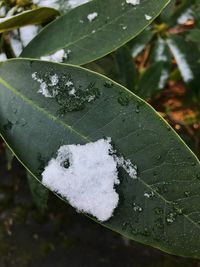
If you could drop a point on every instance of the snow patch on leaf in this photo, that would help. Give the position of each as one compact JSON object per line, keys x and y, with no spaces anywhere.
{"x":86,"y":176}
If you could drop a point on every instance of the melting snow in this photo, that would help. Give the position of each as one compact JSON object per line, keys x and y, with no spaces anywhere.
{"x":44,"y":86}
{"x":137,"y":49}
{"x":187,"y":15}
{"x":92,"y":16}
{"x":59,"y":56}
{"x":163,"y":79}
{"x":3,"y":57}
{"x":160,"y":51}
{"x":133,"y":2}
{"x":86,"y":176}
{"x":148,"y":17}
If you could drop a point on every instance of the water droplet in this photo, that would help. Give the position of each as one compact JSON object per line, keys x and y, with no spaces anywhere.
{"x":149,"y":194}
{"x":159,"y":223}
{"x":123,"y":100}
{"x":187,"y":193}
{"x":69,"y":95}
{"x":134,"y":231}
{"x":179,"y":211}
{"x":108,"y":84}
{"x":124,"y":226}
{"x":170,"y":218}
{"x":155,"y":173}
{"x":23,"y":122}
{"x":198,"y":175}
{"x":146,"y":232}
{"x":158,"y":157}
{"x":137,"y":208}
{"x":14,"y":110}
{"x":137,"y":108}
{"x":8,"y":126}
{"x":66,"y":163}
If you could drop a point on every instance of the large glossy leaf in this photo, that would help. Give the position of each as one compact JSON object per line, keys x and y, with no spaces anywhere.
{"x":116,"y":22}
{"x":35,"y":16}
{"x":168,"y":172}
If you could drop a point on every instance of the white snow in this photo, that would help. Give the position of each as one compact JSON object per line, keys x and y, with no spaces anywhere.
{"x":3,"y":57}
{"x":148,"y":17}
{"x":58,"y":56}
{"x":149,"y":195}
{"x":54,"y":80}
{"x":160,"y":51}
{"x":49,"y":87}
{"x":57,"y":4}
{"x":27,"y":33}
{"x":86,"y":176}
{"x":163,"y":78}
{"x":2,"y":11}
{"x":133,"y":2}
{"x":75,"y":3}
{"x":183,"y":65}
{"x":137,"y":50}
{"x":16,"y":43}
{"x":92,"y":16}
{"x":44,"y":86}
{"x":47,"y":3}
{"x":187,"y":15}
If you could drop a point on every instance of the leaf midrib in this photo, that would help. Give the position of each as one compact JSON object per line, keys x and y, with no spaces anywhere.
{"x":52,"y":117}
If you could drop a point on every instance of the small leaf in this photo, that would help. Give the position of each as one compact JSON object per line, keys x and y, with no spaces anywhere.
{"x":86,"y":38}
{"x":35,"y":16}
{"x":161,"y":207}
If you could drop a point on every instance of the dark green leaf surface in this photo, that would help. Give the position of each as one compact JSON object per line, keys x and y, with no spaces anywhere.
{"x":168,"y":171}
{"x":117,"y":23}
{"x":39,"y":193}
{"x":35,"y":16}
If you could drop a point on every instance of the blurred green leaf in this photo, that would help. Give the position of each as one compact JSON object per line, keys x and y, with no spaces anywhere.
{"x":35,"y":16}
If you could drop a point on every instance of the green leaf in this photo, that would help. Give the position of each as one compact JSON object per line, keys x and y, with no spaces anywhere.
{"x":35,"y":16}
{"x":39,"y":193}
{"x":116,"y":23}
{"x":167,"y":169}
